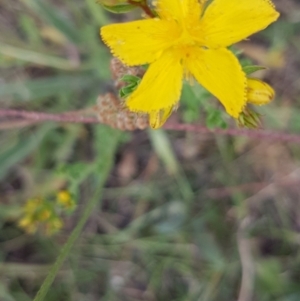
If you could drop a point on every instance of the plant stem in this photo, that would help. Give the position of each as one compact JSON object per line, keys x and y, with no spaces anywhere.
{"x":254,"y":134}
{"x":75,"y":118}
{"x":106,"y":163}
{"x":42,"y":117}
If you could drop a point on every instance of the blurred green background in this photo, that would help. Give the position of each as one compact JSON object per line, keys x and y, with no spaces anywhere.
{"x":181,"y":216}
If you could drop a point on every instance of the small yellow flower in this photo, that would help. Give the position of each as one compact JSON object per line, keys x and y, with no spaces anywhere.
{"x":188,"y":40}
{"x":63,"y":196}
{"x":28,"y":224}
{"x":44,"y":214}
{"x":25,"y":222}
{"x":65,"y":199}
{"x":36,"y":214}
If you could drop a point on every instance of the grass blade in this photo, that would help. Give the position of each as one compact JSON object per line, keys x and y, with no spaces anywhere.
{"x":105,"y":162}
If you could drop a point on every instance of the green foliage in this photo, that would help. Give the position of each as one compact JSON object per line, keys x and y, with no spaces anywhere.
{"x":132,"y":83}
{"x":22,"y":148}
{"x":214,"y":119}
{"x":52,"y":16}
{"x":119,"y":8}
{"x":196,"y":99}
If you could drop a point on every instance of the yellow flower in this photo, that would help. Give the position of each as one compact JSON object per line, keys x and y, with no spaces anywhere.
{"x":28,"y":224}
{"x":25,"y":222}
{"x":65,"y":199}
{"x":44,"y":214}
{"x":188,"y":40}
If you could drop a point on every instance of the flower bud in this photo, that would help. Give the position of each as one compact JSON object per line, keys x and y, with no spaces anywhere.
{"x":249,"y":119}
{"x":259,"y":92}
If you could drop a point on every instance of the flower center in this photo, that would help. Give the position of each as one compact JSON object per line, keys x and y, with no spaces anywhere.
{"x":185,"y":39}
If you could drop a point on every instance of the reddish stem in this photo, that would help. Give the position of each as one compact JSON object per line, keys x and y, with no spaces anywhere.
{"x":75,"y":118}
{"x":255,"y":134}
{"x":143,"y":5}
{"x":41,"y":117}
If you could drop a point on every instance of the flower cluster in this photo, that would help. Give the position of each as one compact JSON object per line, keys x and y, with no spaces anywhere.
{"x":42,"y":214}
{"x":188,"y":39}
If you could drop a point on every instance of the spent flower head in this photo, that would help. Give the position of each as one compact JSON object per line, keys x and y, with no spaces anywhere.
{"x":188,"y":39}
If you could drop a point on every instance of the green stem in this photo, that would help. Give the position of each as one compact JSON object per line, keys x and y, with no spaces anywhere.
{"x":105,"y":163}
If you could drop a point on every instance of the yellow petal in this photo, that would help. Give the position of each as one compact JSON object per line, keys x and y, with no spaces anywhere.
{"x":158,"y":118}
{"x":160,"y":87}
{"x":179,"y":10}
{"x":226,"y":22}
{"x":220,"y":73}
{"x":140,"y":42}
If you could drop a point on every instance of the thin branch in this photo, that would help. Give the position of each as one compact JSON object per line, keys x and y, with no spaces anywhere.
{"x":255,"y":134}
{"x":74,"y":117}
{"x":42,"y":117}
{"x":143,"y":5}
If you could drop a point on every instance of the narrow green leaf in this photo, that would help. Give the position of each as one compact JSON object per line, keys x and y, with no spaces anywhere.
{"x":37,"y":57}
{"x":52,"y":16}
{"x":49,"y":86}
{"x":163,"y":148}
{"x":251,"y":69}
{"x":120,"y":8}
{"x":215,"y":119}
{"x":22,"y":149}
{"x":107,"y":146}
{"x":97,"y":12}
{"x":30,"y":29}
